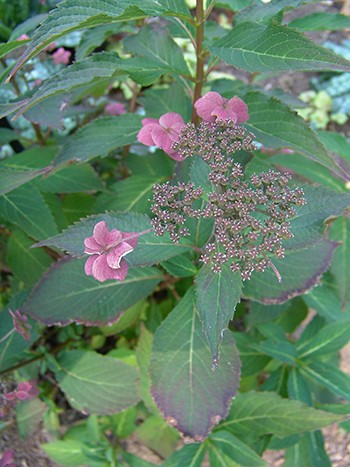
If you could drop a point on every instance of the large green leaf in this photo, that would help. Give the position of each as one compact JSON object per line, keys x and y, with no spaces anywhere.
{"x":324,"y":300}
{"x":10,"y":179}
{"x":192,"y":397}
{"x":321,"y":21}
{"x":335,"y":142}
{"x":257,"y":47}
{"x":268,"y":413}
{"x":27,"y":264}
{"x":190,"y":455}
{"x":216,"y":298}
{"x":259,"y":12}
{"x":95,"y":383}
{"x":155,"y":44}
{"x":309,"y":451}
{"x":235,"y":449}
{"x":73,"y":15}
{"x":65,"y":294}
{"x":100,"y":137}
{"x":150,"y":248}
{"x":275,"y":126}
{"x":71,"y":179}
{"x":328,"y":376}
{"x":26,"y":208}
{"x":300,"y":269}
{"x":331,"y":338}
{"x":340,"y":231}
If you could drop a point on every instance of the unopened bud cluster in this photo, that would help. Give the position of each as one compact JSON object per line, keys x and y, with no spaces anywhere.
{"x":251,"y":215}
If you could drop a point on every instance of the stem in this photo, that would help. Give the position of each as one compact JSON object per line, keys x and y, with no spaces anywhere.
{"x":199,"y":55}
{"x":209,"y":9}
{"x":188,"y":32}
{"x":19,"y":365}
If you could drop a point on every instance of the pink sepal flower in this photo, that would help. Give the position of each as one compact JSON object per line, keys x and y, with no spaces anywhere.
{"x":7,"y":459}
{"x":20,"y":324}
{"x":23,"y":37}
{"x":212,"y":106}
{"x":25,"y":391}
{"x":162,"y":133}
{"x":61,"y":56}
{"x":115,"y":108}
{"x":107,"y":249}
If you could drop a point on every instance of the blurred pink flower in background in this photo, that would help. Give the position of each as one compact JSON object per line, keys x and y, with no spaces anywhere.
{"x":107,"y":249}
{"x":115,"y":108}
{"x":23,"y":37}
{"x":61,"y":56}
{"x":162,"y":132}
{"x":212,"y":106}
{"x":24,"y":391}
{"x":7,"y":459}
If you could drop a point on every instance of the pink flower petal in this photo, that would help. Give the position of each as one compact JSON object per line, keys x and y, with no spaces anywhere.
{"x":25,"y":386}
{"x":120,"y":273}
{"x":162,"y":139}
{"x":114,"y":257}
{"x":100,"y":269}
{"x":115,"y":237}
{"x":176,"y":156}
{"x":147,"y":121}
{"x":91,"y":246}
{"x":239,"y":107}
{"x":145,"y":135}
{"x":206,"y":104}
{"x":88,"y":265}
{"x":224,"y":114}
{"x":169,"y":119}
{"x":131,"y":238}
{"x":101,"y":233}
{"x":22,"y":395}
{"x":115,"y":108}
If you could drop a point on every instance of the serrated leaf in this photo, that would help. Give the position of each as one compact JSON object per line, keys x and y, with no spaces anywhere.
{"x":190,"y":395}
{"x":65,"y":294}
{"x":26,"y":208}
{"x":340,"y":232}
{"x":10,"y":179}
{"x":329,"y":377}
{"x":96,"y":384}
{"x":100,"y":137}
{"x":191,"y":455}
{"x":72,"y":179}
{"x":321,"y":21}
{"x":310,"y":449}
{"x":150,"y":248}
{"x":26,"y":264}
{"x":283,"y":351}
{"x":268,"y":413}
{"x":255,"y":47}
{"x":331,"y":338}
{"x":275,"y":126}
{"x":155,"y":44}
{"x":94,"y":38}
{"x":300,"y":270}
{"x":72,"y":16}
{"x":235,"y":449}
{"x":259,"y":12}
{"x":11,"y":45}
{"x":216,"y":298}
{"x":180,"y":266}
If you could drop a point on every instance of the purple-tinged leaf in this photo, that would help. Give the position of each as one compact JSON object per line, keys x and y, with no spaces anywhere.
{"x":300,"y":271}
{"x":192,"y":397}
{"x":97,"y":384}
{"x":65,"y":294}
{"x":340,"y":231}
{"x":216,"y":298}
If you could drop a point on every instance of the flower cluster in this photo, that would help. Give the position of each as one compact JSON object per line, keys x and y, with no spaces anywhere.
{"x":107,"y":250}
{"x":7,"y":459}
{"x":26,"y":390}
{"x":250,"y":215}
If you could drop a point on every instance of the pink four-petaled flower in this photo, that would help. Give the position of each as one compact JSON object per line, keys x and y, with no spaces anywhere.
{"x":107,"y":249}
{"x":162,"y":133}
{"x":61,"y":56}
{"x":212,"y":106}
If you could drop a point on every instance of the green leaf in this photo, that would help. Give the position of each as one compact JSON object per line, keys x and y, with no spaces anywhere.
{"x":216,"y":298}
{"x":156,"y":434}
{"x":94,"y":38}
{"x":65,"y":295}
{"x":66,"y":452}
{"x":29,"y":416}
{"x":125,"y":319}
{"x":324,"y":300}
{"x":72,"y":16}
{"x":309,"y":451}
{"x":155,"y":44}
{"x":26,"y":264}
{"x":269,"y":48}
{"x":12,"y":45}
{"x":10,"y":179}
{"x":275,"y":126}
{"x":335,"y":142}
{"x":331,"y":338}
{"x":235,"y":449}
{"x":321,"y":21}
{"x":258,"y":12}
{"x":96,"y":384}
{"x":283,"y":351}
{"x":340,"y":232}
{"x":180,"y":266}
{"x":6,"y":136}
{"x":72,"y":179}
{"x":26,"y":208}
{"x":268,"y":413}
{"x":191,"y":396}
{"x":150,"y":249}
{"x":191,"y":455}
{"x":143,"y":355}
{"x":100,"y":137}
{"x":298,"y":388}
{"x":301,"y":269}
{"x":253,"y":361}
{"x":154,"y":165}
{"x":329,"y":377}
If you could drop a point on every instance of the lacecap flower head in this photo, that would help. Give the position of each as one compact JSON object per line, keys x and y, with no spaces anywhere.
{"x":162,"y":133}
{"x":107,"y":250}
{"x":212,"y":106}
